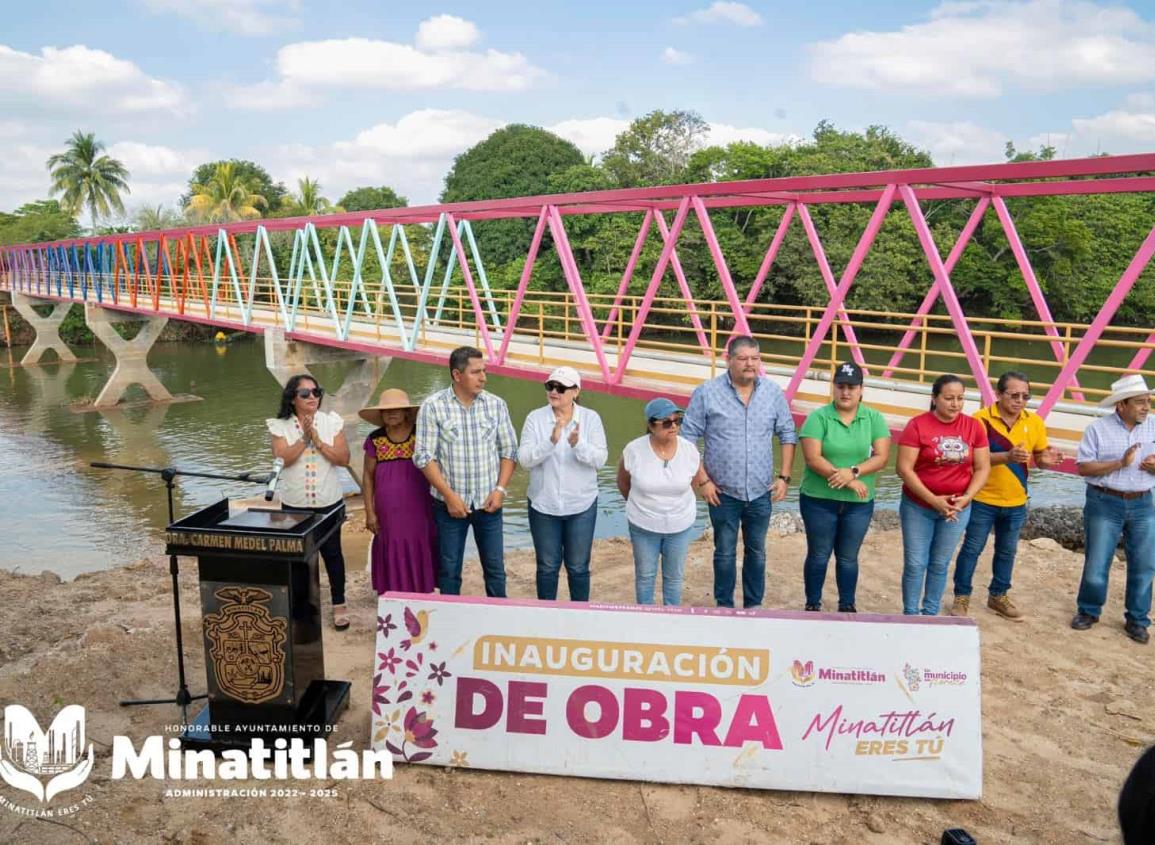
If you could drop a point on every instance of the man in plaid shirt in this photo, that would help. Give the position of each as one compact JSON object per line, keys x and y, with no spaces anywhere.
{"x":466,"y":447}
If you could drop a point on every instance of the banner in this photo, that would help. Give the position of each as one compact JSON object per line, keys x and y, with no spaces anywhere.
{"x":886,"y":705}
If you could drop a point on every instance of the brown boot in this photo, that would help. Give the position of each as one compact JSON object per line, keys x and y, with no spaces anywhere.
{"x":1004,"y":607}
{"x":961,"y":606}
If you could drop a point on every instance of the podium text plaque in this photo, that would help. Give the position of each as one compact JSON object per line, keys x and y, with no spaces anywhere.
{"x":261,"y":624}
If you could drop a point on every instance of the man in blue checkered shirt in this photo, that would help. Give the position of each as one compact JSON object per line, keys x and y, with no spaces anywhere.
{"x":467,"y":449}
{"x":738,"y":414}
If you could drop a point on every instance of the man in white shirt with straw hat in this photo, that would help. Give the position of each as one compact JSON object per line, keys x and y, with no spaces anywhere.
{"x":1117,"y":457}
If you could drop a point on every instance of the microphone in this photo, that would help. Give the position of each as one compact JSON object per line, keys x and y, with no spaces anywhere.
{"x":278,"y":465}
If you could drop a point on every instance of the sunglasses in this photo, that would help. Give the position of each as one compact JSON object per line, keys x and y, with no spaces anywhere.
{"x":557,"y":387}
{"x":667,"y":423}
{"x":306,"y":392}
{"x":1020,"y":396}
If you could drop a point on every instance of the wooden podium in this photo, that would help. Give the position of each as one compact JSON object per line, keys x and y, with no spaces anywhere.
{"x":261,"y":616}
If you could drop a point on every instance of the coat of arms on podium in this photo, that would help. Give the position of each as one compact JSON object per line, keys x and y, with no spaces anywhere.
{"x":248,"y":644}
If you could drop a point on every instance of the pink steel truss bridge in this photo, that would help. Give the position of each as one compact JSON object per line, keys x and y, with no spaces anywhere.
{"x":328,"y":295}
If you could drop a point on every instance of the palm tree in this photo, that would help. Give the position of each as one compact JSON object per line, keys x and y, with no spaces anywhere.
{"x":225,"y":197}
{"x":153,"y":218}
{"x":308,"y":200}
{"x":88,"y":179}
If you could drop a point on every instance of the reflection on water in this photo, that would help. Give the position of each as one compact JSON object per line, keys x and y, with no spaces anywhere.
{"x":58,"y":513}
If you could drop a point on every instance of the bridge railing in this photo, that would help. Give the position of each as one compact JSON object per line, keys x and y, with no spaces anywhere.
{"x":902,"y":346}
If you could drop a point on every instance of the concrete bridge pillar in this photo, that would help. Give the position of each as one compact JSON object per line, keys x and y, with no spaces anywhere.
{"x":47,"y":328}
{"x":131,"y":355}
{"x":286,"y":358}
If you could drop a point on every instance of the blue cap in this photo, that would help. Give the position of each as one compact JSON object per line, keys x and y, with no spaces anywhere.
{"x":660,"y":408}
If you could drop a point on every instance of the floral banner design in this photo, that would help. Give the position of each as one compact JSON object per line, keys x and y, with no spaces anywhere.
{"x":775,"y":700}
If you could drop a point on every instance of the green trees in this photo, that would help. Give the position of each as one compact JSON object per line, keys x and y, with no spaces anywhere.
{"x":37,"y":221}
{"x":153,"y":218}
{"x":513,"y":161}
{"x":370,"y":199}
{"x":307,"y":201}
{"x":655,"y":149}
{"x":224,"y":197}
{"x":86,"y":179}
{"x":255,"y":178}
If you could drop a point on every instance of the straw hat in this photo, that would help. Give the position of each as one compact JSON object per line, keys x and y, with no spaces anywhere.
{"x":393,"y":399}
{"x":1126,"y":388}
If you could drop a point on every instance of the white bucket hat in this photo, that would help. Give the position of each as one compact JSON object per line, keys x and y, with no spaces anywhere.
{"x":1126,"y":388}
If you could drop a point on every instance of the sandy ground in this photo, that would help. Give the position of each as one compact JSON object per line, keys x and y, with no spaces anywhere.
{"x":1065,"y":716}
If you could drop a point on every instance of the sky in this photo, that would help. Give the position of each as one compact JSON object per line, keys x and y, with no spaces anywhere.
{"x":380,"y":93}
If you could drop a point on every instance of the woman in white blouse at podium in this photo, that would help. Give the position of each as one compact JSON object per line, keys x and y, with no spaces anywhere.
{"x":312,"y":444}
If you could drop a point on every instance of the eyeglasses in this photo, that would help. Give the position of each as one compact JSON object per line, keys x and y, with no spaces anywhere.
{"x":557,"y":387}
{"x":667,"y":423}
{"x":306,"y":392}
{"x":1022,"y":397}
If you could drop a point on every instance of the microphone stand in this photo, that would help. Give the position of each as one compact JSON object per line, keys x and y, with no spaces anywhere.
{"x":183,"y":697}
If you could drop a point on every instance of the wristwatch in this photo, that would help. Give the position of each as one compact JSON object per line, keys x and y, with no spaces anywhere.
{"x":501,"y":490}
{"x":785,"y":478}
{"x":855,"y":471}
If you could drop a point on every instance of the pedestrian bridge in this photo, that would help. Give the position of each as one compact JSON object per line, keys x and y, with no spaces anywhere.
{"x":351,"y":282}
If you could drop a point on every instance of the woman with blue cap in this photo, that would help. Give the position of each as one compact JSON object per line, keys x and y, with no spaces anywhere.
{"x":657,"y":476}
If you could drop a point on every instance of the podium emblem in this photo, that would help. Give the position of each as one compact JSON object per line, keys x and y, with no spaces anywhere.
{"x":248,"y":644}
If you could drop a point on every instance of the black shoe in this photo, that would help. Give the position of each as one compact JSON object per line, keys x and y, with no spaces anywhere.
{"x":1137,"y":632}
{"x":1083,"y":621}
{"x":814,"y":608}
{"x":847,"y":608}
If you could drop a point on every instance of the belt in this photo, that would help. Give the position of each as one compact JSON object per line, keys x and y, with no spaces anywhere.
{"x":1122,"y":494}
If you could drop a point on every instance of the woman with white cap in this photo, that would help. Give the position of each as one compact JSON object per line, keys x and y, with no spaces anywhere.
{"x":398,"y":507}
{"x":563,"y":445}
{"x":657,"y":476}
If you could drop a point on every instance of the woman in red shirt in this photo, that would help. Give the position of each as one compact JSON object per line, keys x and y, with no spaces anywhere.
{"x":944,"y":460}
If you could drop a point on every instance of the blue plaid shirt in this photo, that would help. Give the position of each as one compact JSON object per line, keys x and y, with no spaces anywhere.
{"x":468,"y":443}
{"x":739,"y":438}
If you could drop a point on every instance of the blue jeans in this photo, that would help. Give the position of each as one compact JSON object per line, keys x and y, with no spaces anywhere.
{"x":928,"y":544}
{"x":836,"y":527}
{"x":1007,"y":523}
{"x":754,"y":518}
{"x":671,"y":548}
{"x":1105,"y":519}
{"x":487,"y":533}
{"x":558,"y":539}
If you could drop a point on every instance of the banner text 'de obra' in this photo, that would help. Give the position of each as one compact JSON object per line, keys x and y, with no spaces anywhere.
{"x":621,"y":660}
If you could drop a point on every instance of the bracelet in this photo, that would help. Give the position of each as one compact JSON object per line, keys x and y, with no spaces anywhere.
{"x":501,"y":490}
{"x":785,"y":478}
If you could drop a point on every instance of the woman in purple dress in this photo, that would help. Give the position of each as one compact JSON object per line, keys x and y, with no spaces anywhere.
{"x":398,"y":507}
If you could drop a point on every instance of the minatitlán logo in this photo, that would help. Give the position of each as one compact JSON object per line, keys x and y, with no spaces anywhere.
{"x":45,"y":763}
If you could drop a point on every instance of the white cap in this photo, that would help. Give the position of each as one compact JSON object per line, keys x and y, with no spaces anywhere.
{"x":567,"y":376}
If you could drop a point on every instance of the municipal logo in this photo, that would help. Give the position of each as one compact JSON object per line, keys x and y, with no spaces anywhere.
{"x":45,"y":763}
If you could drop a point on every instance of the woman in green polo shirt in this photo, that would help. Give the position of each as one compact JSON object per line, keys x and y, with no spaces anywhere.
{"x":845,"y":444}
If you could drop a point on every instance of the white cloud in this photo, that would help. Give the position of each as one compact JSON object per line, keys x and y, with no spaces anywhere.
{"x":446,"y":32}
{"x":246,"y":17}
{"x":1123,"y":126}
{"x":79,"y":79}
{"x":593,"y":136}
{"x":721,"y":134}
{"x":412,"y":155}
{"x":672,"y":56}
{"x":978,"y":49}
{"x":438,"y":61}
{"x":958,"y":142}
{"x":721,"y":11}
{"x":23,"y":174}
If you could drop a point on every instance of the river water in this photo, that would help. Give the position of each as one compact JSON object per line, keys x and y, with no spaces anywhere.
{"x":59,"y":514}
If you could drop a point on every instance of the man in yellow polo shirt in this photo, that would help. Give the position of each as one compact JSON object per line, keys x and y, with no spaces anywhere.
{"x":1016,"y":436}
